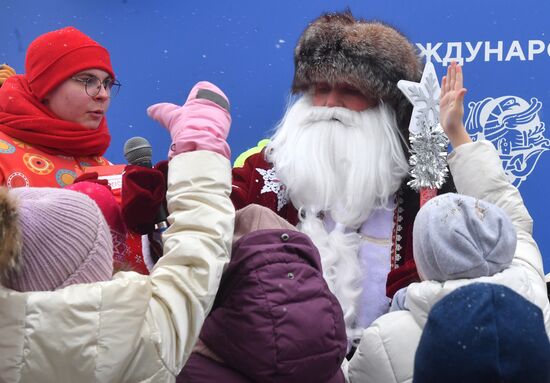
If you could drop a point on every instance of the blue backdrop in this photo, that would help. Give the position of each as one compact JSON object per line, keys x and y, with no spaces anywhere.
{"x":160,"y":49}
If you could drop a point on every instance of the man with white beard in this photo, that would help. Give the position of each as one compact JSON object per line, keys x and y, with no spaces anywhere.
{"x":337,"y":164}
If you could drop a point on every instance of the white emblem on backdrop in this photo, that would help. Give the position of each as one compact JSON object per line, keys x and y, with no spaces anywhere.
{"x":513,"y":125}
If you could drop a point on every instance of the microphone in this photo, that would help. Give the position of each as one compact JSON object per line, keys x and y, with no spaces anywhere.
{"x":138,"y":151}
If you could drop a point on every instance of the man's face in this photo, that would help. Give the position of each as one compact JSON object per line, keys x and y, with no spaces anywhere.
{"x":342,"y":95}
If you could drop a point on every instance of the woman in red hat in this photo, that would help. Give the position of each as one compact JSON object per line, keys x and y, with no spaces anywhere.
{"x":52,"y":118}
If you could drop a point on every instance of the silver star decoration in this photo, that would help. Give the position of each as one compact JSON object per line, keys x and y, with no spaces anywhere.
{"x":425,"y":99}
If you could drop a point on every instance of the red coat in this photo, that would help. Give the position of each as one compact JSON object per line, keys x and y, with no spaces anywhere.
{"x":249,"y":186}
{"x":24,"y":165}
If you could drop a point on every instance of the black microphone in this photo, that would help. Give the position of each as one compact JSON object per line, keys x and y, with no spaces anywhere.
{"x":138,"y":151}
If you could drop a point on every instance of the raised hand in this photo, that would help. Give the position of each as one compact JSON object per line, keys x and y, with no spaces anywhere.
{"x":202,"y":123}
{"x":451,"y":106}
{"x":6,"y":72}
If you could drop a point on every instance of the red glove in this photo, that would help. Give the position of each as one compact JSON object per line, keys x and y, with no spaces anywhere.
{"x":143,"y":192}
{"x":163,"y":167}
{"x":91,"y":177}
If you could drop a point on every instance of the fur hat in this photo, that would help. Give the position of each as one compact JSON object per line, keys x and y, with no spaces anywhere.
{"x":457,"y":236}
{"x":55,"y":56}
{"x":369,"y":55}
{"x":51,"y":238}
{"x":483,"y":333}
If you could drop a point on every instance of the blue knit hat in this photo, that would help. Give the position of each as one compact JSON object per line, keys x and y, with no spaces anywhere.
{"x":458,"y":236}
{"x":483,"y":333}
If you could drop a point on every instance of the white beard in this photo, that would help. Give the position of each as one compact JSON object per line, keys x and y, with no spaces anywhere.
{"x":344,"y":164}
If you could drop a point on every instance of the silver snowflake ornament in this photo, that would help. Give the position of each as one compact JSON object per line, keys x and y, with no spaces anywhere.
{"x":274,"y":185}
{"x":428,"y":140}
{"x":425,"y":98}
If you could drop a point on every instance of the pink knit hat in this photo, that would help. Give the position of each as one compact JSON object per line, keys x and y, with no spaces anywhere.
{"x":57,"y":238}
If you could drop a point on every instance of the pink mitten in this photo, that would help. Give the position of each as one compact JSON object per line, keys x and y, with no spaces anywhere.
{"x":202,"y":123}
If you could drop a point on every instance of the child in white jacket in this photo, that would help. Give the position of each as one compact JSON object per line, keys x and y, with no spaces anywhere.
{"x":64,"y":319}
{"x":387,"y":349}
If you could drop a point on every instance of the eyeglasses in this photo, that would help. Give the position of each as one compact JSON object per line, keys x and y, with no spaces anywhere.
{"x":93,"y":85}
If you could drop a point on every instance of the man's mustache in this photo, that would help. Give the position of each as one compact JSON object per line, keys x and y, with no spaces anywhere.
{"x":336,"y":114}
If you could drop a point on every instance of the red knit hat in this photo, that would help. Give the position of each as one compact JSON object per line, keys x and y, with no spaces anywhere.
{"x":55,"y":56}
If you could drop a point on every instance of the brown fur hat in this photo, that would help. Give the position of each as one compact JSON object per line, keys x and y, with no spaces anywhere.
{"x":369,"y":55}
{"x":10,"y":234}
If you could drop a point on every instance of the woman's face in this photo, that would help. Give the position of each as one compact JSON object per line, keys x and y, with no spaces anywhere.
{"x":70,"y":102}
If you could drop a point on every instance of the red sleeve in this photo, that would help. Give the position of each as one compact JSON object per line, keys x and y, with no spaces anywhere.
{"x":401,"y":277}
{"x":248,"y":188}
{"x":242,"y":179}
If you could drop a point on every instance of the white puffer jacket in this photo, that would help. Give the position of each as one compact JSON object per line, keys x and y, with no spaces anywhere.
{"x":387,"y":349}
{"x":134,"y":328}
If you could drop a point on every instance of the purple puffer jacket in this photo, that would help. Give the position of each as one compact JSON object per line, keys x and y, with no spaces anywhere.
{"x":274,"y":318}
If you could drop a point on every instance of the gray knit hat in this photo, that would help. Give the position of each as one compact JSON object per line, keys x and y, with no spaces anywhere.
{"x":457,"y":236}
{"x":59,"y":238}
